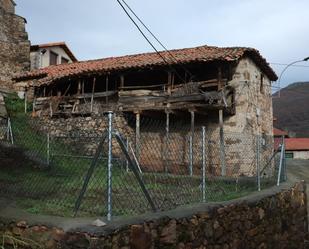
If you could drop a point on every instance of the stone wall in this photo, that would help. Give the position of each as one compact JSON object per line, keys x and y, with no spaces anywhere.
{"x":157,"y":155}
{"x":253,"y":116}
{"x":274,"y":219}
{"x":14,"y":44}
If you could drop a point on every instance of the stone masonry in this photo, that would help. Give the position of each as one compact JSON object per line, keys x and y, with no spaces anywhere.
{"x":253,"y":117}
{"x":274,"y":219}
{"x":14,"y":44}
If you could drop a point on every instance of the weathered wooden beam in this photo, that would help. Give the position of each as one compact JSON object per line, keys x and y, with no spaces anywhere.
{"x":137,"y":134}
{"x":137,"y":93}
{"x":219,"y":78}
{"x":121,"y":81}
{"x":169,"y":82}
{"x":106,"y":87}
{"x":92,"y":94}
{"x":136,"y":87}
{"x":83,"y":87}
{"x":191,"y":143}
{"x":85,"y":96}
{"x":79,"y":87}
{"x":222,"y":145}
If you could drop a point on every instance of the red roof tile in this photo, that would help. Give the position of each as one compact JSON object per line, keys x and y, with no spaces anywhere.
{"x":278,"y":132}
{"x":292,"y":144}
{"x":138,"y":61}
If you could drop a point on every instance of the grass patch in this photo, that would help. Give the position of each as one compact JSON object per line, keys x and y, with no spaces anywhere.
{"x":53,"y":190}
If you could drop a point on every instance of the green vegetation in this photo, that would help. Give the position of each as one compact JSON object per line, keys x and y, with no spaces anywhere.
{"x":11,"y":241}
{"x":53,"y":189}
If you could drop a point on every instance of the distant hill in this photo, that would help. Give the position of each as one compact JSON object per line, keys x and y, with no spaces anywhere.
{"x":292,"y":109}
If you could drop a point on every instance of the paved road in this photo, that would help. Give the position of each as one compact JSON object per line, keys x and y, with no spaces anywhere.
{"x":298,"y":170}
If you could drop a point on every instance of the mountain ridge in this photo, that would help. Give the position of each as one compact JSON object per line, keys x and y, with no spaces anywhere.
{"x":291,"y":109}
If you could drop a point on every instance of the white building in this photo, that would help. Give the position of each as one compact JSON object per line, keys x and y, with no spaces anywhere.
{"x":44,"y":55}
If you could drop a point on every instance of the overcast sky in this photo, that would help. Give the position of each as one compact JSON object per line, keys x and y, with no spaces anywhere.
{"x":99,"y":28}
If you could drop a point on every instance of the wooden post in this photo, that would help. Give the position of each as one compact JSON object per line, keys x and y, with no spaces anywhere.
{"x":44,"y":91}
{"x":169,"y":82}
{"x":137,"y":134}
{"x":92,"y":95}
{"x":79,"y":87}
{"x":222,"y":144}
{"x":83,"y":87}
{"x":191,"y":144}
{"x":219,"y":78}
{"x":121,"y":82}
{"x":106,"y":87}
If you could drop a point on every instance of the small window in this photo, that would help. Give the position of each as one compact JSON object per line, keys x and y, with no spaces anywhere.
{"x":262,"y":84}
{"x":53,"y":58}
{"x":64,"y":60}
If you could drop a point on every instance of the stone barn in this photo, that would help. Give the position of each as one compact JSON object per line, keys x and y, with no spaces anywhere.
{"x":227,"y":90}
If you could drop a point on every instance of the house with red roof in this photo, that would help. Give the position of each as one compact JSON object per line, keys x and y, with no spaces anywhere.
{"x":221,"y":88}
{"x":297,"y":148}
{"x":44,"y":55}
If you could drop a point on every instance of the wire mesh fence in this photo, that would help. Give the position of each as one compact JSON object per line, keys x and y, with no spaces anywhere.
{"x":149,"y":165}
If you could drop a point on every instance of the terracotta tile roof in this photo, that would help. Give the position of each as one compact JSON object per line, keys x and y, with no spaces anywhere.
{"x":293,"y":144}
{"x":183,"y":56}
{"x":63,"y":45}
{"x":278,"y":132}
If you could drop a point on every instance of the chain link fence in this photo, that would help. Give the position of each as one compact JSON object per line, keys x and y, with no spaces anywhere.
{"x":134,"y":165}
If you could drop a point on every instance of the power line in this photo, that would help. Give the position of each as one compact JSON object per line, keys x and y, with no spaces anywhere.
{"x":155,"y":37}
{"x":283,"y":64}
{"x":146,"y":38}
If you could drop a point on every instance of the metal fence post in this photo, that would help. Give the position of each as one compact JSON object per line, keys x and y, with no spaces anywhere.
{"x":166,"y":142}
{"x":10,"y":132}
{"x":191,"y":145}
{"x":203,"y":164}
{"x":258,"y":171}
{"x":284,"y":160}
{"x":26,"y":104}
{"x":127,"y":162}
{"x":48,"y":149}
{"x":109,"y":167}
{"x":280,"y":164}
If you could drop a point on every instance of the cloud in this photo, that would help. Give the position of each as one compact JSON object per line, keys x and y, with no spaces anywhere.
{"x":98,"y":28}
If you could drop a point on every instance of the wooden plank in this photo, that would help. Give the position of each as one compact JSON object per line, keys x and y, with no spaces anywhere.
{"x":121,"y":81}
{"x":85,"y":96}
{"x":106,"y":87}
{"x":219,"y":78}
{"x":137,"y":135}
{"x":92,"y":94}
{"x":138,"y":93}
{"x":222,"y":145}
{"x":142,"y":87}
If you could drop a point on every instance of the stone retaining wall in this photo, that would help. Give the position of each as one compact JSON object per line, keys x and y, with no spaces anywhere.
{"x":275,"y":218}
{"x":155,"y":154}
